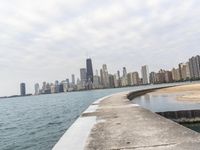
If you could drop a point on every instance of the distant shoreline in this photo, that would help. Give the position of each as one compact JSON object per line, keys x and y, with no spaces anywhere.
{"x":14,"y":96}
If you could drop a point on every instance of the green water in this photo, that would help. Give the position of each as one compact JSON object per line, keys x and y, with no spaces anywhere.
{"x":193,"y":126}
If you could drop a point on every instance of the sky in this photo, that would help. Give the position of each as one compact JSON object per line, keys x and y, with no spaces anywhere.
{"x":48,"y":40}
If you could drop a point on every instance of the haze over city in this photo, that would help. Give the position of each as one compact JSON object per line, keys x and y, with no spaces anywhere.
{"x":49,"y":40}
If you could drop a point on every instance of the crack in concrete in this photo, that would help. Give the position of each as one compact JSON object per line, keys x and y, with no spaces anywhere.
{"x":150,"y":146}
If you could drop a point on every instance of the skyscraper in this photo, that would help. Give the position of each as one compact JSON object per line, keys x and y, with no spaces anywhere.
{"x":57,"y":86}
{"x":105,"y":76}
{"x":183,"y":71}
{"x":111,"y":81}
{"x":89,"y":70}
{"x":83,"y":74}
{"x":119,"y":78}
{"x":176,"y":74}
{"x":67,"y":82}
{"x":101,"y":77}
{"x":168,"y":77}
{"x":136,"y":78}
{"x":124,"y":77}
{"x":43,"y":87}
{"x":73,"y":79}
{"x":129,"y":79}
{"x":96,"y":82}
{"x":152,"y":77}
{"x":188,"y":70}
{"x":37,"y":89}
{"x":22,"y":89}
{"x":145,"y":74}
{"x":118,"y":74}
{"x":116,"y":81}
{"x":124,"y":72}
{"x":194,"y":65}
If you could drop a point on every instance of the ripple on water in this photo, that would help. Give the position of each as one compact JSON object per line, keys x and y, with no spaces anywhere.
{"x":38,"y":122}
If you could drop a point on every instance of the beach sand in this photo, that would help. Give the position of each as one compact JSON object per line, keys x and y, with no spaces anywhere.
{"x":190,"y":92}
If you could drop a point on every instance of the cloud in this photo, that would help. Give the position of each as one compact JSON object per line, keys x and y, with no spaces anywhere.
{"x":49,"y":40}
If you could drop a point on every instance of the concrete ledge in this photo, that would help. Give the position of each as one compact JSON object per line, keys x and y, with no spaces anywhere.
{"x":76,"y":136}
{"x":119,"y":124}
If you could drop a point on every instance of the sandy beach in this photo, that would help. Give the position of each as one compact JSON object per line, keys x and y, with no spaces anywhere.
{"x":190,"y":92}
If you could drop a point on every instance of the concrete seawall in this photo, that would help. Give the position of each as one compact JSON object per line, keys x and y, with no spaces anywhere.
{"x":114,"y":123}
{"x":134,"y":94}
{"x":182,"y":116}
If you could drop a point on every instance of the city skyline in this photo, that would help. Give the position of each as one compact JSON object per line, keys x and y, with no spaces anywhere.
{"x":186,"y":71}
{"x":37,"y":45}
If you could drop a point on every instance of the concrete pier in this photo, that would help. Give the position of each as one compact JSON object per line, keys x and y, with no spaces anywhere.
{"x":120,"y":124}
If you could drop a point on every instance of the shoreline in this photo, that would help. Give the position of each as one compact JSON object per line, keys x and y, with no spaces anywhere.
{"x":173,"y":83}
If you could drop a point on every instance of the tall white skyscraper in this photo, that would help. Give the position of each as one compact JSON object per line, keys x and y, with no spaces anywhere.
{"x":83,"y":76}
{"x":105,"y":76}
{"x":96,"y":82}
{"x":145,"y":74}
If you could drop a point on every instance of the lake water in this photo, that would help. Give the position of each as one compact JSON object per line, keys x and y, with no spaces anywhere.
{"x":193,"y":126}
{"x":164,"y":102}
{"x":167,"y":102}
{"x":37,"y":122}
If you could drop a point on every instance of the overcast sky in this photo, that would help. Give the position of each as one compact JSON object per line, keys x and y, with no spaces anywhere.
{"x":48,"y":40}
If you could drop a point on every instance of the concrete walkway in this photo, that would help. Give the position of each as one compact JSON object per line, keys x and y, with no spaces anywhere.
{"x":123,"y":125}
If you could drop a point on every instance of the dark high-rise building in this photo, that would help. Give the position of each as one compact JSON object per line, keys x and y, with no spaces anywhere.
{"x":61,"y":87}
{"x":73,"y":79}
{"x":89,"y":70}
{"x":111,"y":81}
{"x":118,"y":74}
{"x":22,"y":89}
{"x":124,"y":72}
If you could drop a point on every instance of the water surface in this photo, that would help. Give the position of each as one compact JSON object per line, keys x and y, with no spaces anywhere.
{"x":164,"y":102}
{"x":37,"y":122}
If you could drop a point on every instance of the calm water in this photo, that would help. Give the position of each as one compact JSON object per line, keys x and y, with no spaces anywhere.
{"x":164,"y":102}
{"x":37,"y":122}
{"x":193,"y":126}
{"x":167,"y":102}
